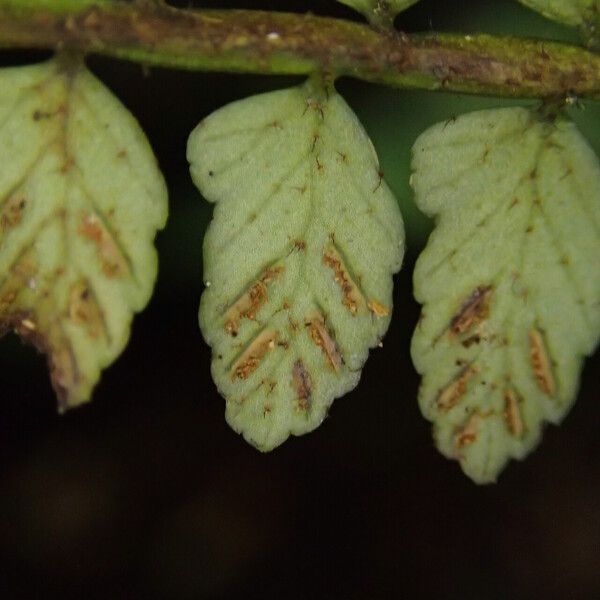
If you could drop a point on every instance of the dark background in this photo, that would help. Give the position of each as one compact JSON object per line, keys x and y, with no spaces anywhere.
{"x":146,"y":492}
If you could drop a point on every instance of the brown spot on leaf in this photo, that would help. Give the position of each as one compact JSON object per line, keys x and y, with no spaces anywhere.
{"x":323,"y":339}
{"x":302,"y":385}
{"x":467,"y":434}
{"x":246,"y":307}
{"x":351,"y":297}
{"x":84,"y":310}
{"x":269,"y":384}
{"x":251,"y":300}
{"x":21,"y":276}
{"x":293,"y":325}
{"x":91,"y":228}
{"x":473,"y":311}
{"x":474,"y":339}
{"x":512,"y":413}
{"x":316,"y":106}
{"x":455,"y":390}
{"x":250,"y":360}
{"x":39,"y":115}
{"x":12,"y":213}
{"x":111,"y":257}
{"x":540,"y":363}
{"x":299,"y":245}
{"x":67,"y":165}
{"x":378,"y":309}
{"x":315,"y":138}
{"x":270,"y":274}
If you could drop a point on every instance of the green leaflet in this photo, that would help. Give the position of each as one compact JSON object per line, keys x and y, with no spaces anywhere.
{"x":510,"y":281}
{"x":298,"y":259}
{"x":577,"y":13}
{"x":81,"y":198}
{"x":374,"y":9}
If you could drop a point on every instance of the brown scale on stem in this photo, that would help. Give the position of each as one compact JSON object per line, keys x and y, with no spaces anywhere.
{"x":540,"y":363}
{"x":251,"y":301}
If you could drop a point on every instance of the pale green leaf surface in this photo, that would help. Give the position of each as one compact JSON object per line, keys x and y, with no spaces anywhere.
{"x":298,"y":259}
{"x":81,"y":198}
{"x":509,"y":281}
{"x":571,"y":12}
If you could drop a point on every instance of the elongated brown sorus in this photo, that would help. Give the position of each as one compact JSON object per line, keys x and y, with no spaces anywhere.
{"x":114,"y":263}
{"x":351,"y":297}
{"x":455,"y":390}
{"x":474,"y":310}
{"x":540,"y":363}
{"x":322,"y":338}
{"x":378,"y":309}
{"x":84,"y":310}
{"x":512,"y":413}
{"x":467,"y":434}
{"x":302,"y":384}
{"x":251,"y":300}
{"x":250,"y":360}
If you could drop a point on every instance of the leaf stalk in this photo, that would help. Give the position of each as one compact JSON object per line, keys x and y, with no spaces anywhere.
{"x":243,"y":41}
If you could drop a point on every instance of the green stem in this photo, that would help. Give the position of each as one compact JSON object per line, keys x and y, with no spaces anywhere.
{"x":281,"y":43}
